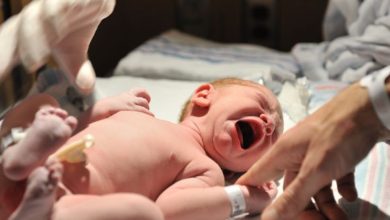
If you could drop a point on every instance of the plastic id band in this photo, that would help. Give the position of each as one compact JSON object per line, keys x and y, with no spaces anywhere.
{"x":375,"y":84}
{"x":237,"y":200}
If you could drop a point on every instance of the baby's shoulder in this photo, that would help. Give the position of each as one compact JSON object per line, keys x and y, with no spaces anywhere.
{"x":205,"y":168}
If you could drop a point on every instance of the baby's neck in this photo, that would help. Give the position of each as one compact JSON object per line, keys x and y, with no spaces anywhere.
{"x":193,"y":130}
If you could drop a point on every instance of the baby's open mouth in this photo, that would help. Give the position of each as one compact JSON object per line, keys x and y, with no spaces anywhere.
{"x":245,"y":133}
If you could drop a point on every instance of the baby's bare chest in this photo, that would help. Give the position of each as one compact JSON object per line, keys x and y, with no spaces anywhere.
{"x":140,"y":159}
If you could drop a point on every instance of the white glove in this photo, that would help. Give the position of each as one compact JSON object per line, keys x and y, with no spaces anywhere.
{"x":62,"y":28}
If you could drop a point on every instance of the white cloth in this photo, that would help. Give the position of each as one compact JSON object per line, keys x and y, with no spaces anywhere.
{"x":176,"y":55}
{"x":363,"y":49}
{"x":61,"y":28}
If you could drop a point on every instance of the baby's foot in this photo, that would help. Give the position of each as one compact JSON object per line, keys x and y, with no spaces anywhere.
{"x":40,"y":194}
{"x":50,"y":129}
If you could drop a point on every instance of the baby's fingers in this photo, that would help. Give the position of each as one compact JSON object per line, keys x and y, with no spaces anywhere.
{"x":140,"y":92}
{"x":142,"y":109}
{"x":142,"y":102}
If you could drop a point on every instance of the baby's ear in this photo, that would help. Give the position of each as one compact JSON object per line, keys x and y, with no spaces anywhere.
{"x":201,"y":96}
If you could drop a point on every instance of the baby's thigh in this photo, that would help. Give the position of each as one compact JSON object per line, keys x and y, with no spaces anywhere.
{"x":119,"y":206}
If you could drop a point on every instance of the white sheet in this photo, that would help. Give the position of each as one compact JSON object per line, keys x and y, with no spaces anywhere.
{"x":359,"y":42}
{"x":175,"y":55}
{"x":168,"y":96}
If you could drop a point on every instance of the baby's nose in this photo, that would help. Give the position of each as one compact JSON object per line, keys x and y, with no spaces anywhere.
{"x":269,"y":124}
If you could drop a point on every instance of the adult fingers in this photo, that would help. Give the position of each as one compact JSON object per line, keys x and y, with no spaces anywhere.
{"x":347,"y":188}
{"x":327,"y":204}
{"x":265,"y":169}
{"x":293,"y":200}
{"x":311,"y":213}
{"x":286,"y":154}
{"x":289,"y":176}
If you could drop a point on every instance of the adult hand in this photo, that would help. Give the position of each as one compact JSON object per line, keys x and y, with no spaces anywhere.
{"x":325,"y":146}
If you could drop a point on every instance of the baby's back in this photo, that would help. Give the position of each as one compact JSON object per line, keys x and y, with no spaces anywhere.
{"x":135,"y":152}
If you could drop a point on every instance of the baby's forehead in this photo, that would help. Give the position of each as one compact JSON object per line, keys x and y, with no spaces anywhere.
{"x":261,"y":93}
{"x":269,"y":100}
{"x":263,"y":90}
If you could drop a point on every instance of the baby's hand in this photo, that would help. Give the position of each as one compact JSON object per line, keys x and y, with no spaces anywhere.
{"x":257,"y":198}
{"x":133,"y":100}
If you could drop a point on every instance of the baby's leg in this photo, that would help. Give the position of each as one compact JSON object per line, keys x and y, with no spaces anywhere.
{"x":40,"y":194}
{"x":114,"y":206}
{"x":49,"y":130}
{"x":22,"y":114}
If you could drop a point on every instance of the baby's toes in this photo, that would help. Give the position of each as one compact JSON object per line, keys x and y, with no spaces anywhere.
{"x":56,"y":170}
{"x":60,"y":113}
{"x":37,"y":183}
{"x":71,"y":122}
{"x":53,"y":165}
{"x":64,"y":129}
{"x":50,"y":110}
{"x":44,"y":111}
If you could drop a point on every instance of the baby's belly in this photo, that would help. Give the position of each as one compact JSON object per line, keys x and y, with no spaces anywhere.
{"x":115,"y":165}
{"x":132,"y":153}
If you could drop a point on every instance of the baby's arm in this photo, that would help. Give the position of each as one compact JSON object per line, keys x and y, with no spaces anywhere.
{"x":133,"y":100}
{"x":202,"y":197}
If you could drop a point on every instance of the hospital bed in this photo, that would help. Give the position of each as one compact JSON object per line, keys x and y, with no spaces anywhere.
{"x":171,"y":65}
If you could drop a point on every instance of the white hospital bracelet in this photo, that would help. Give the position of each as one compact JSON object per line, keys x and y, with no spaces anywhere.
{"x":376,"y":86}
{"x":237,"y":200}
